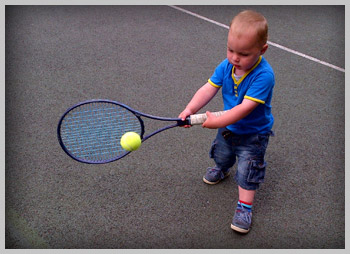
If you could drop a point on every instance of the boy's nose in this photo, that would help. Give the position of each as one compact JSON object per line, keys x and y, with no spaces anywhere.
{"x":235,"y":58}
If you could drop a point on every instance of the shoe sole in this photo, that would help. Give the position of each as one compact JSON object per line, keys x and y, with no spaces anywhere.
{"x":240,"y":230}
{"x":212,"y":183}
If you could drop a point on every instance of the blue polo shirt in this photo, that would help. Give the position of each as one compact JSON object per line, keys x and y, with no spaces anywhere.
{"x":256,"y":85}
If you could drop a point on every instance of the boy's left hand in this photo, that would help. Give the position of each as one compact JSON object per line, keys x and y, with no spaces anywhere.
{"x":211,"y":122}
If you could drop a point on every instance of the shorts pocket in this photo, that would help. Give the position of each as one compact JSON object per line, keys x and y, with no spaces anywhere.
{"x":256,"y":172}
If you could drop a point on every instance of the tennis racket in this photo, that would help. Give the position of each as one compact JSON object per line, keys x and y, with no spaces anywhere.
{"x":90,"y":131}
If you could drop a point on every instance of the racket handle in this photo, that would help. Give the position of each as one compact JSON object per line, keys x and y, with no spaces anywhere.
{"x":200,"y":118}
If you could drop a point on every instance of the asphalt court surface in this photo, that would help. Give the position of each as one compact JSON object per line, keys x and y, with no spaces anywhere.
{"x":153,"y":58}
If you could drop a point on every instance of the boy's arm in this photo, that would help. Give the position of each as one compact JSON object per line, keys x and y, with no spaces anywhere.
{"x":230,"y":117}
{"x":199,"y":100}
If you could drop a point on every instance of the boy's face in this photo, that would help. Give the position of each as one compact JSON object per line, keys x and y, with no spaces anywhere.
{"x":243,"y":50}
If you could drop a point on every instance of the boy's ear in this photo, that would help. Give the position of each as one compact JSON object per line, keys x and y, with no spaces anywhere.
{"x":264,"y":48}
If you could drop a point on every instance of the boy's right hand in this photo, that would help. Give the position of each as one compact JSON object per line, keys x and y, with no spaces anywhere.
{"x":184,"y":114}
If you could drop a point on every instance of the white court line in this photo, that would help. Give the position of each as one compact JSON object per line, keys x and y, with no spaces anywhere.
{"x":269,"y":42}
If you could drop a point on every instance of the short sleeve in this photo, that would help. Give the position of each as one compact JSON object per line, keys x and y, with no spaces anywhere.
{"x":217,"y":78}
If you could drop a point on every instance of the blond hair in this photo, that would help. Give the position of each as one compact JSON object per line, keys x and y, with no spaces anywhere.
{"x":249,"y":19}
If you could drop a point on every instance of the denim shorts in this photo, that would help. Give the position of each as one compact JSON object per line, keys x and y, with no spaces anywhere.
{"x":250,"y":152}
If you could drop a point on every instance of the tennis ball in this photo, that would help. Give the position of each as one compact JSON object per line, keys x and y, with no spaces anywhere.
{"x":130,"y":141}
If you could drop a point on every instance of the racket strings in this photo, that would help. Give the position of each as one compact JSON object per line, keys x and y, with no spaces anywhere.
{"x":92,"y":131}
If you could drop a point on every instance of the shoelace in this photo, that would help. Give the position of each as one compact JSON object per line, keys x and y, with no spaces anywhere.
{"x":214,"y":171}
{"x":243,"y":215}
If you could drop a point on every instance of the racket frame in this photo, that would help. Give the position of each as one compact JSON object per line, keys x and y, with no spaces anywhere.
{"x":138,"y":114}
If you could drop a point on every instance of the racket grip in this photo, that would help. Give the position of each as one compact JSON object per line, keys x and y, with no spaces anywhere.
{"x":201,"y":118}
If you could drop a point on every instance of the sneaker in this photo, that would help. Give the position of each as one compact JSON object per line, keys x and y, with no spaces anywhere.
{"x":242,"y":220}
{"x":215,"y":175}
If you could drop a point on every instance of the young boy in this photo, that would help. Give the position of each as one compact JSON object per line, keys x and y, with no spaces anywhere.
{"x":247,"y":82}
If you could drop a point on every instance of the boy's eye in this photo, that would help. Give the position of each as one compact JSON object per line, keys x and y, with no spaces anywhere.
{"x":241,"y":54}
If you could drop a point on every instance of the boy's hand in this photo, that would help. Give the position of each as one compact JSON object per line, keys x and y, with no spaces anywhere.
{"x":184,"y":114}
{"x":211,"y":122}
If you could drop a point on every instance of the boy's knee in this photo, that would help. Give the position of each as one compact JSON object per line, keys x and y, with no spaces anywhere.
{"x":222,"y":154}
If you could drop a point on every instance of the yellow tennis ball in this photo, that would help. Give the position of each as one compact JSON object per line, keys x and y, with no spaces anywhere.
{"x":130,"y":141}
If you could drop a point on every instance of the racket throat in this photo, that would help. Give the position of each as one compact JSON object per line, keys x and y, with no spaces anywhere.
{"x":160,"y":130}
{"x":186,"y":122}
